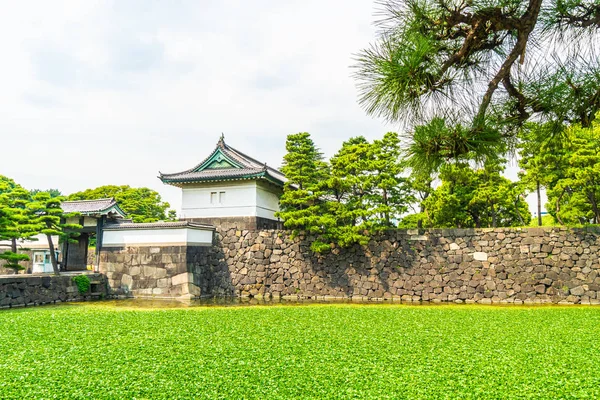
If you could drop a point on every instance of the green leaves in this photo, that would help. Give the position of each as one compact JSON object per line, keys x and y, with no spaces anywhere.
{"x":574,"y":197}
{"x":140,"y":204}
{"x":17,"y":222}
{"x":485,"y":67}
{"x":476,"y":198}
{"x":301,"y":351}
{"x":360,"y":192}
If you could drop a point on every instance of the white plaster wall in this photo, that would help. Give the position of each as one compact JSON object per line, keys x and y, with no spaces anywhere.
{"x":240,"y":200}
{"x":199,"y":237}
{"x":267,"y":200}
{"x":90,"y":221}
{"x":137,"y":237}
{"x":40,"y":243}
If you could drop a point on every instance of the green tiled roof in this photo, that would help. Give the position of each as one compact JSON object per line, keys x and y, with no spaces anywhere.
{"x":93,"y":207}
{"x":225,"y":164}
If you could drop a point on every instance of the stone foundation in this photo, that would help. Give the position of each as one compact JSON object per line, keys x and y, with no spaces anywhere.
{"x":156,"y":271}
{"x":249,"y":223}
{"x":29,"y":290}
{"x":534,"y":265}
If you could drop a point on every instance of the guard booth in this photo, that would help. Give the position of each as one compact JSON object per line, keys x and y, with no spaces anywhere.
{"x":41,"y":261}
{"x":93,"y":215}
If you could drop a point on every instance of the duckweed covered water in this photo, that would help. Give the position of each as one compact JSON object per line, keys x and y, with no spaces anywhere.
{"x":109,"y":350}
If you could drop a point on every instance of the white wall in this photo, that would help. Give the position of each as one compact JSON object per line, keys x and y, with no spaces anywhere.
{"x":267,"y":200}
{"x":149,"y":237}
{"x":41,"y":243}
{"x":241,"y":199}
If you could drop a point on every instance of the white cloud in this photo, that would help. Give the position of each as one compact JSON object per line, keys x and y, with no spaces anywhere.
{"x":110,"y":93}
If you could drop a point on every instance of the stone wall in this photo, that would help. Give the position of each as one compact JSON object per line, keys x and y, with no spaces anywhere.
{"x":247,"y":223}
{"x":28,"y":290}
{"x":27,"y":265}
{"x":534,"y":265}
{"x":150,"y":271}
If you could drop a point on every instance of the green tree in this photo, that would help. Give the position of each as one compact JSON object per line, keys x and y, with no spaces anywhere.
{"x":140,"y":204}
{"x":7,"y":184}
{"x":484,"y":67}
{"x":476,"y":198}
{"x":576,"y":194}
{"x":361,"y":191}
{"x":302,"y":202}
{"x":51,"y":192}
{"x":392,"y":193}
{"x":51,"y":217}
{"x":19,"y":224}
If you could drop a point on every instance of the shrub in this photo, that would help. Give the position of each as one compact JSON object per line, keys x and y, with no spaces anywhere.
{"x":82,"y":282}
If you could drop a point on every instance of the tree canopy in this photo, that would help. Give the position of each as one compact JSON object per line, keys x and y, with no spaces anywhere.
{"x":482,"y":68}
{"x":476,"y":198}
{"x":52,"y":221}
{"x":140,"y":204}
{"x":360,"y":191}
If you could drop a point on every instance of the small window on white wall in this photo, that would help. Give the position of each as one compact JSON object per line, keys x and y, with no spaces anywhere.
{"x":217,"y":197}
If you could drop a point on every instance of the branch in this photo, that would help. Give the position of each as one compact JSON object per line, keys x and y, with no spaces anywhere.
{"x":526,"y":25}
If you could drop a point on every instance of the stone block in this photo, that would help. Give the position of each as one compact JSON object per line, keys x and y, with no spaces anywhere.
{"x":182,"y":278}
{"x":126,"y":280}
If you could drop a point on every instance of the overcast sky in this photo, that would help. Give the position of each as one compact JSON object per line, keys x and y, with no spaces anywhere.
{"x":111,"y":92}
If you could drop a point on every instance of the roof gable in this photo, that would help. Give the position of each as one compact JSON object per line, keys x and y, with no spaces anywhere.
{"x":94,"y":207}
{"x":217,"y":160}
{"x":223,"y":164}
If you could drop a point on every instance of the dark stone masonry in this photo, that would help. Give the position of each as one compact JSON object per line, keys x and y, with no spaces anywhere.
{"x":30,"y":290}
{"x":505,"y":265}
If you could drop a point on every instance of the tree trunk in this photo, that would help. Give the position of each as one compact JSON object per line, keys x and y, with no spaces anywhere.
{"x":53,"y":255}
{"x":517,"y":201}
{"x":539,"y":204}
{"x":558,"y":208}
{"x":13,"y":245}
{"x":493,"y":216}
{"x":385,"y":203}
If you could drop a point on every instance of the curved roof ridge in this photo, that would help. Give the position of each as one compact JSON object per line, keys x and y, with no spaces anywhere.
{"x":248,"y":163}
{"x":260,"y":165}
{"x":81,"y":201}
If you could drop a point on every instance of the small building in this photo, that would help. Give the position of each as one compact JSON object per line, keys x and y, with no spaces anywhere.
{"x":229,"y":188}
{"x":93,"y":216}
{"x":38,"y":250}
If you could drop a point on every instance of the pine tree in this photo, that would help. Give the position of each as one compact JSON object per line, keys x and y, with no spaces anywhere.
{"x":476,"y":198}
{"x":575,"y":195}
{"x":19,"y":226}
{"x":51,"y":217}
{"x":484,"y":67}
{"x":302,"y":202}
{"x":392,"y":191}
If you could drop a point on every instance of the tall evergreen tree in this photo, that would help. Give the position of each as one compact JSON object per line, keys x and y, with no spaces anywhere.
{"x":20,"y":224}
{"x":476,"y":198}
{"x":302,"y":203}
{"x":51,"y":217}
{"x":392,"y":193}
{"x":574,"y":198}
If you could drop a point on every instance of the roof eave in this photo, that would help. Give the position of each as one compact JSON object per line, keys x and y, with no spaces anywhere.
{"x":260,"y":175}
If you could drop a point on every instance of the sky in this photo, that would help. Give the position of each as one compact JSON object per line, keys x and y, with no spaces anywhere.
{"x":112,"y":92}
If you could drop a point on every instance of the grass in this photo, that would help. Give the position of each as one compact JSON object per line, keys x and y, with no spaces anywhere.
{"x":318,"y":351}
{"x":547,"y":220}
